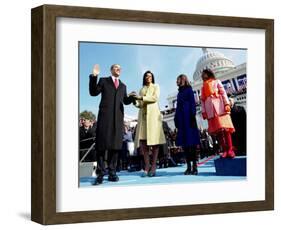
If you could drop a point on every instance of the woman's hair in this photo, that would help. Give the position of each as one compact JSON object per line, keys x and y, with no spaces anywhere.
{"x":143,"y":81}
{"x":184,"y":78}
{"x":209,"y":73}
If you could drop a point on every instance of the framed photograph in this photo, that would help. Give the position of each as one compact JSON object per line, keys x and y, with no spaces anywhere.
{"x":139,"y":114}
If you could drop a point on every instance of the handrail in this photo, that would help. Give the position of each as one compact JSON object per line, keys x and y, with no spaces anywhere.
{"x":86,"y":154}
{"x":88,"y":139}
{"x":88,"y":151}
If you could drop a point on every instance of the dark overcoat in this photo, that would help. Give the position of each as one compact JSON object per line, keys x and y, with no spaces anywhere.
{"x":185,"y":121}
{"x":110,"y":121}
{"x":239,"y":120}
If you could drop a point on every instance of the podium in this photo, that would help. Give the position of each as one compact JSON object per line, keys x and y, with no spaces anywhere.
{"x":231,"y":167}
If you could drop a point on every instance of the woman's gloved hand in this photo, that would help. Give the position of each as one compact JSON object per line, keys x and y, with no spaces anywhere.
{"x":227,"y":108}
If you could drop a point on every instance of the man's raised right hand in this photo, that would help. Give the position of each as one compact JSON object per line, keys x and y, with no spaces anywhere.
{"x":96,"y":70}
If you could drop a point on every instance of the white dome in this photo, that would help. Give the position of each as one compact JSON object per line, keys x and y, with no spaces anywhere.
{"x":213,"y":60}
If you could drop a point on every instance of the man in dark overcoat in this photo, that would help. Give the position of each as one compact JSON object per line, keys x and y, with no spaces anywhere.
{"x":110,"y":122}
{"x":239,"y":120}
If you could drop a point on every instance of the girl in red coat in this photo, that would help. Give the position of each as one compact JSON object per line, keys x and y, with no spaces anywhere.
{"x":216,"y":109}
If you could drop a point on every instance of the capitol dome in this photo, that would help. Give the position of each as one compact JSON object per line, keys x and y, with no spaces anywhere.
{"x":213,"y":60}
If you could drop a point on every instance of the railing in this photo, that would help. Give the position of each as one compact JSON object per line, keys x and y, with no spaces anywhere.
{"x":87,"y":149}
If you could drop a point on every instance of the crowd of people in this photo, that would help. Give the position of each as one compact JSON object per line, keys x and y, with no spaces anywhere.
{"x":152,"y":144}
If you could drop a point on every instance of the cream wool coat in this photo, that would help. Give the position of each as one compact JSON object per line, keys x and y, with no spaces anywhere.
{"x":153,"y":125}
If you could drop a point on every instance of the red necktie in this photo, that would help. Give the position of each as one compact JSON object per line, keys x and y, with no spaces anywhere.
{"x":116,"y":83}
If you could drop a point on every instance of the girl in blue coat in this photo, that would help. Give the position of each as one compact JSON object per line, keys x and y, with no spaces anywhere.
{"x":185,"y":122}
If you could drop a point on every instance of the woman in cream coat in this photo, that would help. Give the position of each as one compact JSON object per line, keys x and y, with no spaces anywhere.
{"x":149,"y":133}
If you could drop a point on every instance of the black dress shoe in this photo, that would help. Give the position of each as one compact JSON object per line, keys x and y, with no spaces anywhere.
{"x":98,"y":180}
{"x":194,"y":171}
{"x":113,"y":178}
{"x":187,"y":172}
{"x":194,"y":168}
